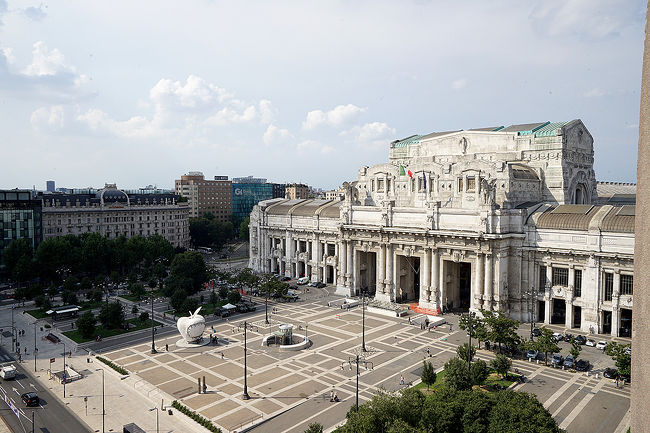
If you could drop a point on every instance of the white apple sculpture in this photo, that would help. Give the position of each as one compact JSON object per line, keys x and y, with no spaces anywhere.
{"x":192,"y":327}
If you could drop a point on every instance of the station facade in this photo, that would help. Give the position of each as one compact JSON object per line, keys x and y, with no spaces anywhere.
{"x":506,"y":219}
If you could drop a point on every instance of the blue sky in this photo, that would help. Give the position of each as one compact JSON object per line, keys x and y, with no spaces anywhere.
{"x":139,"y":93}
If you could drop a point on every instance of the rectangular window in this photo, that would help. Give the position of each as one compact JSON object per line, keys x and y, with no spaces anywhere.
{"x":471,"y":184}
{"x":380,"y":185}
{"x":609,"y":286}
{"x":577,"y":289}
{"x":560,"y":276}
{"x":460,"y":184}
{"x":627,"y":281}
{"x":542,"y":278}
{"x":387,"y":185}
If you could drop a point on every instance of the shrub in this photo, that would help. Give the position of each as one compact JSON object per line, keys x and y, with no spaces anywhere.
{"x":113,"y":365}
{"x":196,"y":417}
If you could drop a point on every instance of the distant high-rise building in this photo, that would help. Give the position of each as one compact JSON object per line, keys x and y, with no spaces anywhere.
{"x":50,"y":187}
{"x":20,"y":218}
{"x":279,"y":190}
{"x":248,"y":179}
{"x":206,"y":196}
{"x":245,"y":195}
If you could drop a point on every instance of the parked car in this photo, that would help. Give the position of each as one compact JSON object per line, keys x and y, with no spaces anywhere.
{"x":601,"y":345}
{"x":590,"y":343}
{"x":537,"y":332}
{"x":610,"y":373}
{"x":303,"y":280}
{"x":628,"y":351}
{"x":569,"y":361}
{"x":532,"y":354}
{"x":30,"y":399}
{"x":582,"y":365}
{"x":319,"y":285}
{"x":580,"y":339}
{"x":557,"y":336}
{"x":557,"y":360}
{"x":568,"y":337}
{"x":285,"y":279}
{"x":312,"y":284}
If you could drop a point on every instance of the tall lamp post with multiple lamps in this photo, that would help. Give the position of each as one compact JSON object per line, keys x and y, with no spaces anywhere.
{"x":153,"y":340}
{"x":35,"y":348}
{"x":357,"y":360}
{"x":245,"y":396}
{"x":103,"y":411}
{"x":363,"y":320}
{"x":157,"y":425}
{"x":64,"y":374}
{"x":531,"y":311}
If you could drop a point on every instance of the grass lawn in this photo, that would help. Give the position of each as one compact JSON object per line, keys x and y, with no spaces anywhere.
{"x":493,"y":380}
{"x":75,"y":335}
{"x":37,"y":314}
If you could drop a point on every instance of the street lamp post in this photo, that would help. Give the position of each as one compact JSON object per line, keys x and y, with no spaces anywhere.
{"x":157,"y":425}
{"x":531,"y":311}
{"x":363,"y":321}
{"x":103,"y":411}
{"x":469,"y":349}
{"x":245,"y":396}
{"x":13,"y":330}
{"x":64,"y":375}
{"x":35,"y":349}
{"x":153,"y":341}
{"x":356,"y":360}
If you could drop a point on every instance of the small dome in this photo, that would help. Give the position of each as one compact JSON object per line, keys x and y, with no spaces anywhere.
{"x":112,"y":195}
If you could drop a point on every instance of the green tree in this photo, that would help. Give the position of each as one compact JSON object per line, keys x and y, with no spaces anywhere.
{"x":144,"y":316}
{"x":243,"y":229}
{"x":223,"y":292}
{"x":464,"y":351}
{"x":69,"y":297}
{"x":95,"y":295}
{"x":479,"y":372}
{"x":134,"y":309}
{"x":177,"y":299}
{"x":621,"y":359}
{"x":17,"y":250}
{"x":234,"y":297}
{"x":213,"y":299}
{"x":189,"y":306}
{"x":314,"y":428}
{"x":137,"y":290}
{"x":189,"y":265}
{"x":94,"y":252}
{"x":576,"y":348}
{"x":111,"y":315}
{"x":501,"y":364}
{"x":546,"y":343}
{"x":502,"y":329}
{"x":86,"y":324}
{"x":515,"y":412}
{"x":456,"y":375}
{"x":479,"y":331}
{"x":428,"y":375}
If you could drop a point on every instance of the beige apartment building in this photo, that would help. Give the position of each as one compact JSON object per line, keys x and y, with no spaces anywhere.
{"x":296,"y":190}
{"x":206,"y":196}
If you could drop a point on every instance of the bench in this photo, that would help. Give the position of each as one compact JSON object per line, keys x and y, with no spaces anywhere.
{"x":53,"y":338}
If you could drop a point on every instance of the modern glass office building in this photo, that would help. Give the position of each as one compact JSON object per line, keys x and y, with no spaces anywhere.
{"x":247,"y":195}
{"x":20,"y":218}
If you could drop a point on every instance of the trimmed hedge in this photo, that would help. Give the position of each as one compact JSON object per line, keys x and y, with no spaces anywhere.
{"x":196,"y":417}
{"x":113,"y":365}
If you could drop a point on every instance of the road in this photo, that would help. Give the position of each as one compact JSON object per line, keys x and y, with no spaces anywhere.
{"x":49,"y":417}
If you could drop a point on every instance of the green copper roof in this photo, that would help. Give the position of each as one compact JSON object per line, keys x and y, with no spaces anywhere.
{"x":550,"y":129}
{"x":414,"y":139}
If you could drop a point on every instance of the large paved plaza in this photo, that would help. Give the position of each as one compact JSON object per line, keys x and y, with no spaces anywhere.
{"x":289,"y":390}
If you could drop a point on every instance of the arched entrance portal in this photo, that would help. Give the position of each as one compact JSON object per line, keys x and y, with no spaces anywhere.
{"x":408,"y":279}
{"x":457,"y":281}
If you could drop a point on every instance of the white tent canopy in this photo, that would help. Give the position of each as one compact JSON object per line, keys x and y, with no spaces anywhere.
{"x":228,"y":306}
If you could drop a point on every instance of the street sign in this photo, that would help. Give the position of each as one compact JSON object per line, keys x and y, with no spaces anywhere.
{"x":52,"y":360}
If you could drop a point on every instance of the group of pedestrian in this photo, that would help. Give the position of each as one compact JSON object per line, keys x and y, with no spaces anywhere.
{"x":333,"y":396}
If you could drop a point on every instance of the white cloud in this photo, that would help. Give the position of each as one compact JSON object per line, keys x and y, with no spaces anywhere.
{"x":48,"y":119}
{"x":275,"y":135}
{"x":35,"y":13}
{"x":267,"y":111}
{"x":594,"y":93}
{"x":47,"y":62}
{"x":194,"y":93}
{"x":594,"y":19}
{"x":338,"y":116}
{"x":313,"y":146}
{"x":135,"y":127}
{"x":227,"y":116}
{"x":459,"y":84}
{"x":373,"y":134}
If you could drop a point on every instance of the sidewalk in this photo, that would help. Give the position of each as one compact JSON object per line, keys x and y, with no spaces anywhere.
{"x":124,"y":398}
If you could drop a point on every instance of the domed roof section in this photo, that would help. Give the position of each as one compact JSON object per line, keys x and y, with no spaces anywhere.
{"x":110,"y":194}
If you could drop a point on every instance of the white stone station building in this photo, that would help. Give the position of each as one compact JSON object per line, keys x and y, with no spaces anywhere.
{"x":501,"y":218}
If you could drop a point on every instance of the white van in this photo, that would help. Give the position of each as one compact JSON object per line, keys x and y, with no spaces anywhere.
{"x":8,"y":372}
{"x":303,"y":280}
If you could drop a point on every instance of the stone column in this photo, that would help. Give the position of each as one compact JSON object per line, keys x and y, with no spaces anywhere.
{"x":389,"y":278}
{"x":381,"y":268}
{"x":489,"y":279}
{"x":441,"y":282}
{"x":426,"y":276}
{"x":342,"y":259}
{"x":315,"y":263}
{"x":435,"y":277}
{"x":349,"y":264}
{"x":479,"y":279}
{"x":568,"y":298}
{"x":355,"y":270}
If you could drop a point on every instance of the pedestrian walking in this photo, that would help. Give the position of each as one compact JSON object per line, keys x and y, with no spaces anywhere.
{"x":616,"y":382}
{"x":451,"y":328}
{"x":401,"y":379}
{"x":221,"y":355}
{"x":166,"y":347}
{"x":332,"y":395}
